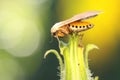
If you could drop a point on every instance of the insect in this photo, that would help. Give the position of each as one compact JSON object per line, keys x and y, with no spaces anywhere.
{"x":74,"y":24}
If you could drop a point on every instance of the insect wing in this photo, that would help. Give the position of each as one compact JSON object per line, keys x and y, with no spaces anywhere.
{"x":82,"y":16}
{"x":85,"y":15}
{"x":79,"y":17}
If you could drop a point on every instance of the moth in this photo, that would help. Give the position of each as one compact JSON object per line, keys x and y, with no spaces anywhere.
{"x":74,"y":24}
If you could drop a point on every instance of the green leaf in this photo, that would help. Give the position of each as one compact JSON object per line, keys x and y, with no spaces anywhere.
{"x":58,"y":57}
{"x":89,"y":47}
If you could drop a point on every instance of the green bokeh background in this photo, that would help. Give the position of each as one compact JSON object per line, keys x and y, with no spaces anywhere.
{"x":25,"y":37}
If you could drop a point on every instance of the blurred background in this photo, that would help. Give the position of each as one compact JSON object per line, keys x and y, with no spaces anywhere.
{"x":25,"y":36}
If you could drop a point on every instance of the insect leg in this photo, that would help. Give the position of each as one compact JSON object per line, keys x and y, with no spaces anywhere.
{"x":80,"y":40}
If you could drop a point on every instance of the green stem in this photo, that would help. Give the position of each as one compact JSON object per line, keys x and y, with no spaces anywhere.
{"x":68,"y":74}
{"x":82,"y":66}
{"x":76,"y":40}
{"x":74,"y":60}
{"x":75,"y":66}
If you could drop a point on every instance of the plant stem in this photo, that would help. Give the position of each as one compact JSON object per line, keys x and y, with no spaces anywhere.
{"x":75,"y":66}
{"x":74,"y":61}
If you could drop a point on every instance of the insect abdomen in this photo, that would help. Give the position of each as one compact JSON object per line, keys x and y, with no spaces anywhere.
{"x":79,"y":26}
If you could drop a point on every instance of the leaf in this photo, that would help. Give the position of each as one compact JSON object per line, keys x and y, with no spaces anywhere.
{"x":89,"y":47}
{"x":57,"y":55}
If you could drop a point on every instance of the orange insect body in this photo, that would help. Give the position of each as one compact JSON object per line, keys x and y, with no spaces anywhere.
{"x":74,"y":24}
{"x":79,"y":26}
